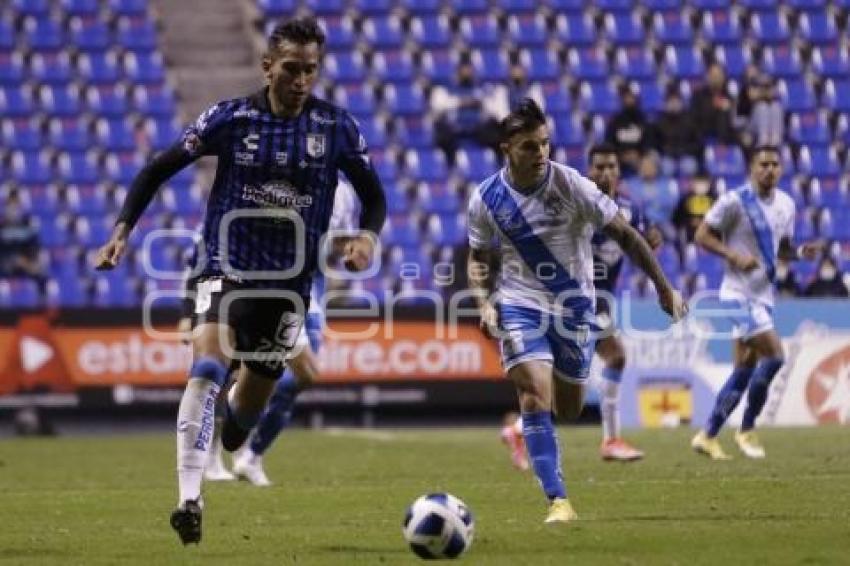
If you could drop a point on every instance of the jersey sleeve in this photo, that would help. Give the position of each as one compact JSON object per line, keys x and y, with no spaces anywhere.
{"x":722,"y":213}
{"x":480,"y":224}
{"x":205,"y":135}
{"x":346,"y":208}
{"x":353,"y":160}
{"x":597,"y":207}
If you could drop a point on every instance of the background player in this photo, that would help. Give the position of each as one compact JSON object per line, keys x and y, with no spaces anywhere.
{"x":302,"y":369}
{"x":749,"y":227}
{"x":543,"y":215}
{"x":279,"y":152}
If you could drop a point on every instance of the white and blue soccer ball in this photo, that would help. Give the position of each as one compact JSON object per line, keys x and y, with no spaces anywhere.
{"x":438,"y":525}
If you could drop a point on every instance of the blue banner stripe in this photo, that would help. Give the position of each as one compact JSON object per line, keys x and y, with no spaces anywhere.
{"x":533,"y":251}
{"x":761,"y":228}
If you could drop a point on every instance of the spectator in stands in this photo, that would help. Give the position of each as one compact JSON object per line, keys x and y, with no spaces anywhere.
{"x":677,"y":134}
{"x":19,"y":245}
{"x":502,"y":98}
{"x":767,"y":119}
{"x":786,"y":279}
{"x":629,"y":131}
{"x":692,"y":208}
{"x":465,"y":112}
{"x":712,"y":107}
{"x":657,"y":194}
{"x":828,"y":281}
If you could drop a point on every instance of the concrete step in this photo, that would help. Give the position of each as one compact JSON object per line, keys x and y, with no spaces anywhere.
{"x":223,"y":59}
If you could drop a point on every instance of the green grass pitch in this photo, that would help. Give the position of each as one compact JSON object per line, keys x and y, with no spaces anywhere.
{"x":339,"y":499}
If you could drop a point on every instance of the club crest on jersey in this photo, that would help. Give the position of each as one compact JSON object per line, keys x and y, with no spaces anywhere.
{"x":507,"y":220}
{"x":281,"y":157}
{"x":316,"y":145}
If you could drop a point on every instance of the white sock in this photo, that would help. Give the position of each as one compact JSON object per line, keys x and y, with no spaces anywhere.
{"x":609,"y":409}
{"x":518,"y":425}
{"x":216,"y":457}
{"x":195,"y":424}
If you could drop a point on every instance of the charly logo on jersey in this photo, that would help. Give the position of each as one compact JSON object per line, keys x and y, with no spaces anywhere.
{"x":318,"y":118}
{"x":251,"y":143}
{"x":281,"y":158}
{"x":276,"y":194}
{"x":316,"y":145}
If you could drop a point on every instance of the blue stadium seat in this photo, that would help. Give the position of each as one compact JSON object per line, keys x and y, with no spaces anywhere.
{"x":734,"y":59}
{"x":405,"y":99}
{"x":91,"y":201}
{"x":89,"y":8}
{"x":70,"y":134}
{"x":128,"y":7}
{"x":842,"y":129}
{"x":385,"y":165}
{"x":400,"y":231}
{"x":599,"y":98}
{"x":22,"y":134}
{"x":818,"y":28}
{"x":373,"y":130}
{"x":830,"y":62}
{"x":491,"y":65}
{"x":615,"y":5}
{"x":565,"y":6}
{"x":31,"y":168}
{"x":384,"y":32}
{"x":421,"y":7}
{"x":393,"y":67}
{"x":518,"y":6}
{"x":810,"y":128}
{"x":415,"y":132}
{"x":356,"y":98}
{"x":635,"y":64}
{"x":65,"y":262}
{"x":99,"y":68}
{"x":115,"y":134}
{"x":89,"y":35}
{"x":651,"y":94}
{"x":432,"y":31}
{"x":16,"y":102}
{"x":275,"y":9}
{"x":475,"y":163}
{"x":770,"y":28}
{"x":136,"y":34}
{"x":797,"y":95}
{"x":446,"y":230}
{"x":589,"y":64}
{"x":44,"y":34}
{"x":154,"y":101}
{"x":66,"y":291}
{"x":373,"y":7}
{"x":758,"y":5}
{"x":339,"y":31}
{"x":542,"y":64}
{"x":144,"y":68}
{"x":7,"y":36}
{"x":78,"y":167}
{"x":819,"y":161}
{"x":624,"y":28}
{"x":837,"y":95}
{"x":107,"y":101}
{"x":426,"y":164}
{"x":480,"y":30}
{"x":661,"y":5}
{"x":557,"y":99}
{"x":346,"y":66}
{"x":114,"y":290}
{"x":672,"y":28}
{"x":528,"y":30}
{"x":51,"y":68}
{"x":162,"y":132}
{"x":19,"y":293}
{"x":53,"y":231}
{"x":724,"y":160}
{"x":829,"y":193}
{"x":37,"y":8}
{"x":322,"y":7}
{"x":806,"y":5}
{"x":721,"y":27}
{"x":568,"y":131}
{"x":439,"y":66}
{"x":782,"y":62}
{"x":12,"y":70}
{"x":398,"y":201}
{"x":465,"y":7}
{"x":436,"y":198}
{"x":575,"y":29}
{"x":684,"y":62}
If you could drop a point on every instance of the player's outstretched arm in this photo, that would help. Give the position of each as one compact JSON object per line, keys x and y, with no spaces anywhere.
{"x":480,"y":281}
{"x":638,"y":250}
{"x":142,"y":190}
{"x":710,"y":240}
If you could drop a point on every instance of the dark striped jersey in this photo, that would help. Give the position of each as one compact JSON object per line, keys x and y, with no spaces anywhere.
{"x":607,"y":255}
{"x":272,"y":172}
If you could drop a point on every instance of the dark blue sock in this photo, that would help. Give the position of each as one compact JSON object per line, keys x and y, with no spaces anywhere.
{"x":543,"y":451}
{"x":277,"y":415}
{"x":759,"y":386}
{"x":728,"y":399}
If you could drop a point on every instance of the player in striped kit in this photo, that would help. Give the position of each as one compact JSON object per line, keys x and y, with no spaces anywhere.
{"x":540,"y":216}
{"x":279,"y":153}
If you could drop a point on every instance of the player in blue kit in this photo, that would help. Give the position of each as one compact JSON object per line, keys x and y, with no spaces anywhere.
{"x":540,"y":216}
{"x":279,"y":153}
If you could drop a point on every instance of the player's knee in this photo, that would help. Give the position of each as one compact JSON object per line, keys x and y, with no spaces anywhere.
{"x":773,"y":364}
{"x":533,"y":402}
{"x":210,"y":368}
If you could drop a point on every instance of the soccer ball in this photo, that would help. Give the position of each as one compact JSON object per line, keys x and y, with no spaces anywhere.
{"x":438,"y":525}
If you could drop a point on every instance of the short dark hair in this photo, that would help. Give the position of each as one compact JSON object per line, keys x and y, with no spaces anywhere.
{"x":764,"y":147}
{"x":603,"y":148}
{"x":526,"y":116}
{"x":297,"y":30}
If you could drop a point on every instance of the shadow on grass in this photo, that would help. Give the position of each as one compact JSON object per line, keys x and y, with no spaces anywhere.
{"x":365,"y":549}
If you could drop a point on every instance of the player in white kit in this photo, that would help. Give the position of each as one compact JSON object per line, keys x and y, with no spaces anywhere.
{"x":539,"y":216}
{"x":750,"y":227}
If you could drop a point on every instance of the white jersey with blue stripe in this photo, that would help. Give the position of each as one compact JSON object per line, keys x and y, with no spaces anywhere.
{"x":544,"y":237}
{"x":344,"y":218}
{"x":728,"y":216}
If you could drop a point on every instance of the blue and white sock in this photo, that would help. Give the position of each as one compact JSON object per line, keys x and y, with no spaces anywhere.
{"x":728,"y":398}
{"x":277,"y":415}
{"x":544,"y":452}
{"x":759,"y":386}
